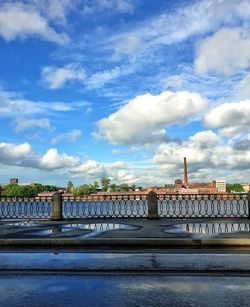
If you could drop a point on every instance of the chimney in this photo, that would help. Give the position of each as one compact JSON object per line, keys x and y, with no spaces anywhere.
{"x":185,"y":172}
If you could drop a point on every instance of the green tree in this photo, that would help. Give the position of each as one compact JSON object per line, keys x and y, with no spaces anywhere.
{"x":234,"y":187}
{"x":94,"y":187}
{"x":124,"y":187}
{"x":105,"y":183}
{"x":70,"y":187}
{"x":133,"y":187}
{"x":15,"y":190}
{"x":113,"y":187}
{"x":82,"y":190}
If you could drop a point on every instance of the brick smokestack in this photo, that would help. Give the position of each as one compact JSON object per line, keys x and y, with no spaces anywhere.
{"x":185,"y":172}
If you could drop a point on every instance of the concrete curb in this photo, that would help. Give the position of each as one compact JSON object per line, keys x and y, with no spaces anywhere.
{"x":129,"y":242}
{"x":126,"y":262}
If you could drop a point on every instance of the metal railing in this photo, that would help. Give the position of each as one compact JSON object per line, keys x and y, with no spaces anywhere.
{"x":114,"y":206}
{"x":151,"y":205}
{"x":203,"y":205}
{"x":20,"y":208}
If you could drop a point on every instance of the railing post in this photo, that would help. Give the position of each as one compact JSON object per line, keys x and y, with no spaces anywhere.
{"x":248,"y":199}
{"x":57,"y":207}
{"x":152,"y":205}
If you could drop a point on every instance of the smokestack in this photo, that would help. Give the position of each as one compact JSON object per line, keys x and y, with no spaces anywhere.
{"x":185,"y":172}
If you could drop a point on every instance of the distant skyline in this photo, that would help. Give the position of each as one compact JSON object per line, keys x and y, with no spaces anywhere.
{"x":124,"y":89}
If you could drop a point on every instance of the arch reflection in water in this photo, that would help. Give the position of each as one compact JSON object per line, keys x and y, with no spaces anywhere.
{"x":95,"y":228}
{"x":25,"y":223}
{"x":73,"y":229}
{"x":214,"y":228}
{"x":98,"y":228}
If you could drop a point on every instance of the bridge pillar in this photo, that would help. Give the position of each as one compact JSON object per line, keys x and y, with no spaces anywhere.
{"x":57,"y":207}
{"x":152,"y":205}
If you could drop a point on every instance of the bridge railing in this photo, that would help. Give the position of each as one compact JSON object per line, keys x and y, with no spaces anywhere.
{"x":203,"y":205}
{"x":152,"y":205}
{"x":109,"y":206}
{"x":25,"y":207}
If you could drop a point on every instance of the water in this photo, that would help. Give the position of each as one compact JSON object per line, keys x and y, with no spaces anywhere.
{"x":75,"y":229}
{"x":215,"y":228}
{"x":209,"y":228}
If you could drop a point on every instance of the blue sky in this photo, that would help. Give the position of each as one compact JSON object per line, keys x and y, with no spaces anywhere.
{"x":124,"y":89}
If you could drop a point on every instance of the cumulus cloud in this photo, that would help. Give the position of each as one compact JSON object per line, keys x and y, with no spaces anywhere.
{"x":227,"y":51}
{"x":208,"y":156}
{"x":231,"y":118}
{"x":11,"y":153}
{"x":144,"y":118}
{"x":22,"y":155}
{"x":54,"y":77}
{"x":22,"y":124}
{"x":71,"y":136}
{"x":19,"y":20}
{"x":53,"y":160}
{"x":118,"y":171}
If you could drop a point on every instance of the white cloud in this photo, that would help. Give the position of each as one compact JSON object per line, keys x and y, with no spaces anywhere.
{"x":100,"y":78}
{"x":244,"y":87}
{"x":231,"y":118}
{"x":11,"y":153}
{"x":54,"y":77}
{"x":22,"y":124}
{"x":227,"y":51}
{"x":122,"y":6}
{"x":55,"y":10}
{"x":128,"y":44}
{"x":143,"y":119}
{"x":22,"y":155}
{"x":208,"y":156}
{"x":71,"y":136}
{"x":53,"y":160}
{"x":13,"y":105}
{"x":172,"y":27}
{"x":118,"y":171}
{"x":18,"y":20}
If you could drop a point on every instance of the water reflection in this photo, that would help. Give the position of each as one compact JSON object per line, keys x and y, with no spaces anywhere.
{"x":95,"y":229}
{"x":26,"y":223}
{"x":75,"y":229}
{"x":214,"y":228}
{"x":103,"y":227}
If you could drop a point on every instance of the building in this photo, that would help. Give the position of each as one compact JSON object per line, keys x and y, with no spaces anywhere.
{"x":246,"y":187}
{"x":221,"y":185}
{"x":13,"y":181}
{"x":185,"y":187}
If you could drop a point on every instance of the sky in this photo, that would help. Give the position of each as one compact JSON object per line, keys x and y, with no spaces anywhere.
{"x":124,"y":89}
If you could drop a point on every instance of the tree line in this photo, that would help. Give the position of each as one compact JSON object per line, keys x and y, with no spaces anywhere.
{"x":104,"y":185}
{"x":15,"y":190}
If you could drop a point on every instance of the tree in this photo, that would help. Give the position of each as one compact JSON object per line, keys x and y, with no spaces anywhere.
{"x":234,"y":187}
{"x":15,"y":190}
{"x":105,"y":183}
{"x":124,"y":187}
{"x":113,"y":187}
{"x":84,"y":189}
{"x":133,"y":187}
{"x":69,"y":187}
{"x":94,"y":187}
